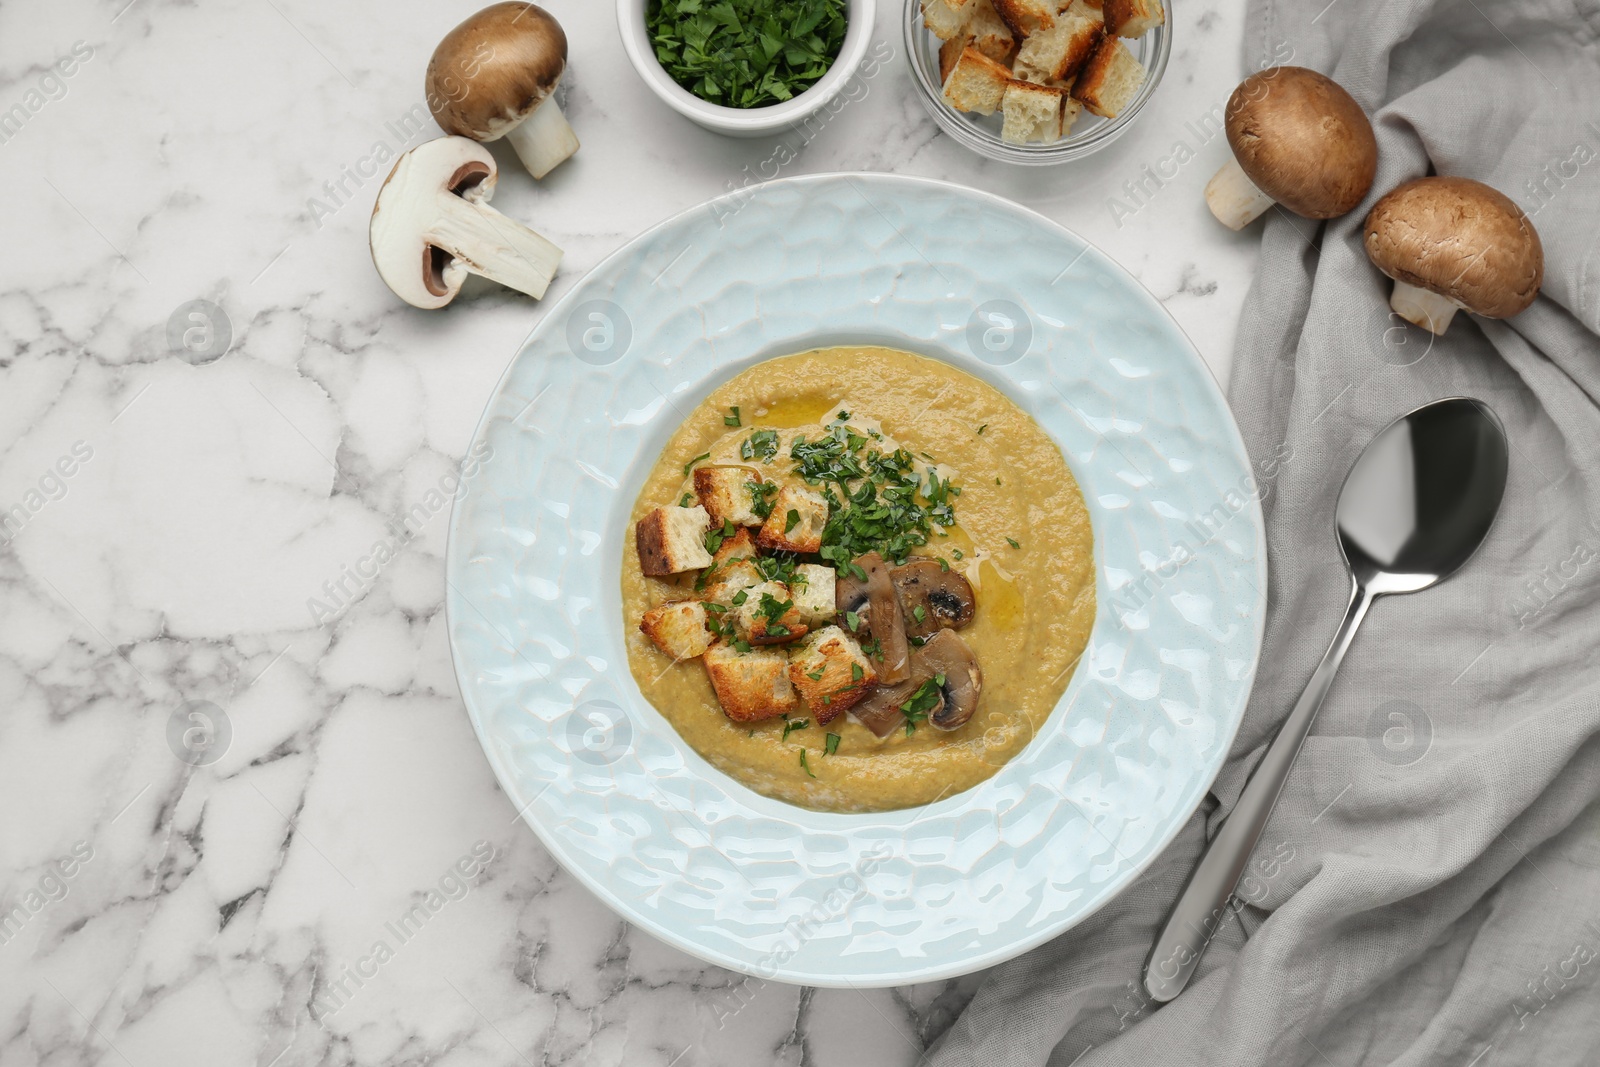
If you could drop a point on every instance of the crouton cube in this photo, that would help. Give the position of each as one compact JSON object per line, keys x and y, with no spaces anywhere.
{"x":765,"y":614}
{"x":813,"y":591}
{"x":795,"y":525}
{"x":672,"y":540}
{"x":1027,"y":16}
{"x":977,"y":84}
{"x":1133,"y":18}
{"x":724,"y":581}
{"x":1058,"y":52}
{"x":950,"y":54}
{"x":831,"y":672}
{"x":678,"y":628}
{"x":740,"y":546}
{"x":750,"y":686}
{"x":1032,"y":113}
{"x":725,"y":494}
{"x":1109,"y":80}
{"x":945,"y":17}
{"x":989,"y":32}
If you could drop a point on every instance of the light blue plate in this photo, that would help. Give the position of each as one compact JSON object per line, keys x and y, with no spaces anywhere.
{"x":755,"y":884}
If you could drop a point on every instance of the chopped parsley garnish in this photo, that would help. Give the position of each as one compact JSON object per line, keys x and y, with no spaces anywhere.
{"x":791,"y":520}
{"x":714,"y":538}
{"x":876,"y":500}
{"x":689,"y":466}
{"x":815,"y":676}
{"x":773,"y":610}
{"x":686,"y":501}
{"x":944,"y":564}
{"x":763,"y":444}
{"x":732,"y":418}
{"x":958,"y":554}
{"x":918,"y":613}
{"x":740,"y":597}
{"x":778,"y":568}
{"x":746,"y":53}
{"x":1012,"y":541}
{"x":852,"y":620}
{"x":856,"y":673}
{"x":982,"y":428}
{"x":803,"y":765}
{"x":741,"y":646}
{"x":832,"y":745}
{"x":791,"y":725}
{"x":761,"y":494}
{"x":924,"y":700}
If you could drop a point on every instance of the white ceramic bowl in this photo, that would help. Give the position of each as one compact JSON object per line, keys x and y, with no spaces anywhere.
{"x":737,"y":121}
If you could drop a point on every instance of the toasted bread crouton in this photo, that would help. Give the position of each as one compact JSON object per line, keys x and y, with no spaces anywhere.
{"x":946,"y":18}
{"x":813,"y":591}
{"x":989,"y":32}
{"x":678,"y":628}
{"x":795,"y":525}
{"x":950,"y":55}
{"x":1133,"y":18}
{"x":831,"y":672}
{"x":1109,"y":80}
{"x":724,"y":581}
{"x":1027,"y":16}
{"x":672,"y":540}
{"x":750,"y":685}
{"x":1058,"y":52}
{"x":976,"y":84}
{"x":1032,"y":113}
{"x":742,"y":545}
{"x":765,"y":614}
{"x":725,"y":494}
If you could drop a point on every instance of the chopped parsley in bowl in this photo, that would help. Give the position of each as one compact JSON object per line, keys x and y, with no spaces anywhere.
{"x":746,"y":53}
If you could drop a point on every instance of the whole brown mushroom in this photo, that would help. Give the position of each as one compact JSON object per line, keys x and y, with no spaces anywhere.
{"x":1299,"y":140}
{"x":495,"y":75}
{"x":1452,"y":243}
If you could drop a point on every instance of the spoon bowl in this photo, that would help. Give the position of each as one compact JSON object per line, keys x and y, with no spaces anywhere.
{"x":1421,"y":498}
{"x":1413,"y":509}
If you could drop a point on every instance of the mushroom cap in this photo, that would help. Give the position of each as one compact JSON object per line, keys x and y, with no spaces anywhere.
{"x":885,"y":620}
{"x":944,"y":596}
{"x":493,"y":70}
{"x":420,"y":273}
{"x":1302,"y":140}
{"x":1458,"y":238}
{"x":947,"y":656}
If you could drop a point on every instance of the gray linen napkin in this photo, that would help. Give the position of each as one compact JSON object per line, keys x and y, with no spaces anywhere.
{"x":1429,"y":889}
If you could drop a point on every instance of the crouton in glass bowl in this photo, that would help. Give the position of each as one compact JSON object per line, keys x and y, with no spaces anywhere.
{"x":1031,"y":91}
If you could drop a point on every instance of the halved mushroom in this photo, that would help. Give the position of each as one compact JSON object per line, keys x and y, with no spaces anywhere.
{"x":1452,"y":243}
{"x":884,"y":618}
{"x":495,"y":75}
{"x":933,"y":598}
{"x":432,"y":226}
{"x":1299,"y":140}
{"x":946,"y":656}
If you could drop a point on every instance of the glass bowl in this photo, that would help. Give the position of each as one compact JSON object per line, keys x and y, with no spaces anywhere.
{"x":981,"y":133}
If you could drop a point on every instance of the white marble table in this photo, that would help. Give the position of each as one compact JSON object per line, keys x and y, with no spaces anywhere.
{"x":168,"y":523}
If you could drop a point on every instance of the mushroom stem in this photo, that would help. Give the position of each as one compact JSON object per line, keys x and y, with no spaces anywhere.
{"x":1233,"y":198}
{"x":1420,"y":307}
{"x":544,"y":139}
{"x":482,"y":241}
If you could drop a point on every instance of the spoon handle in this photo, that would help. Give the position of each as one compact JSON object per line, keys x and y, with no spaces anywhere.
{"x":1204,"y":903}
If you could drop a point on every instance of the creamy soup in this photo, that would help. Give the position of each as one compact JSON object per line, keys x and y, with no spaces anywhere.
{"x":1021,"y":537}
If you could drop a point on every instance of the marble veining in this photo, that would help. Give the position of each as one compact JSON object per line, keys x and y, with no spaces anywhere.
{"x":232,"y":753}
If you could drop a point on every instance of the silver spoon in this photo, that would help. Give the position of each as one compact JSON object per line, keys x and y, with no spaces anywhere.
{"x":1414,"y":508}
